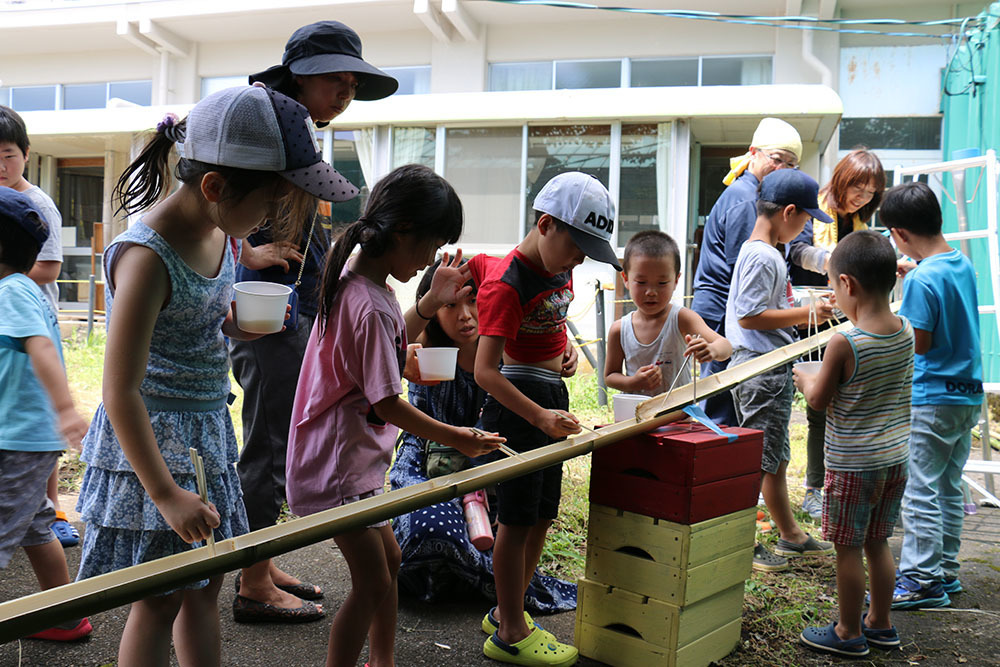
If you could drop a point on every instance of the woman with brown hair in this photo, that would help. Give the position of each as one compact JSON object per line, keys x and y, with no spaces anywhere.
{"x":850,"y":198}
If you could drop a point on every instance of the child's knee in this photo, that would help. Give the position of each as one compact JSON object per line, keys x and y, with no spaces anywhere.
{"x":393,"y":557}
{"x":161,"y":609}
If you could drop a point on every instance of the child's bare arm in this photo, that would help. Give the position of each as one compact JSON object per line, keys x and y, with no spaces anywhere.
{"x":52,"y":376}
{"x":142,"y":285}
{"x":397,"y":411}
{"x":488,"y":376}
{"x":922,"y":341}
{"x":779,"y":318}
{"x":646,"y":378}
{"x":702,"y":341}
{"x":819,"y":389}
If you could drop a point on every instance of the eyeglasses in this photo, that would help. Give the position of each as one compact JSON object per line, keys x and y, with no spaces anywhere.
{"x":777,"y":159}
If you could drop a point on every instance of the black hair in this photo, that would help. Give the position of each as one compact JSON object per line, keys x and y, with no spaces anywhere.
{"x":435,"y":335}
{"x":769,"y":209}
{"x":560,"y":225}
{"x":147,"y":179}
{"x":869,"y":258}
{"x":652,"y":243}
{"x":13,"y":129}
{"x":911,"y":206}
{"x":410,"y":200}
{"x":18,"y":248}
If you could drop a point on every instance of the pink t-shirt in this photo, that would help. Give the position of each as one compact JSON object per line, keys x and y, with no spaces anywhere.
{"x":337,"y":446}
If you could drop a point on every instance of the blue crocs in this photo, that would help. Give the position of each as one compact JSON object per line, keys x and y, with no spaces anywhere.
{"x":64,"y":531}
{"x":825,"y":640}
{"x":880,"y":637}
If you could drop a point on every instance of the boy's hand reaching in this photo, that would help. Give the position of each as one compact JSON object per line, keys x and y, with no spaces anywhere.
{"x":558,"y":424}
{"x":697,"y":347}
{"x":824,"y":309}
{"x":647,"y":378}
{"x":72,"y":426}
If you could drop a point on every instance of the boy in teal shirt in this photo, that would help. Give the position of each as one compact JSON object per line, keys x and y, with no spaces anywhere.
{"x":37,"y":416}
{"x":939,"y":300}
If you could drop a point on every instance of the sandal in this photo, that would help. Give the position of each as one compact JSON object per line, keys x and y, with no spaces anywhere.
{"x":246,"y":610}
{"x":535,"y":650}
{"x":301,"y":590}
{"x":65,"y":634}
{"x":825,"y":640}
{"x":64,"y":531}
{"x":490,"y":624}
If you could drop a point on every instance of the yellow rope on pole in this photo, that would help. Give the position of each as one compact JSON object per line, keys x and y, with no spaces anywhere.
{"x":589,"y":342}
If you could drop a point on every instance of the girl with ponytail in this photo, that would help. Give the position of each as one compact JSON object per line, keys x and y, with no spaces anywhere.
{"x":349,"y":389}
{"x":169,"y":286}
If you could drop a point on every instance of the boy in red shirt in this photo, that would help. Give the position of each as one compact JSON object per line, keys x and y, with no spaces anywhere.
{"x":523,"y":299}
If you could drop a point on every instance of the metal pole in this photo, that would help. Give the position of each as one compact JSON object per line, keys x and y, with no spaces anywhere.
{"x":583,"y":348}
{"x":602,"y":389}
{"x":91,"y":297}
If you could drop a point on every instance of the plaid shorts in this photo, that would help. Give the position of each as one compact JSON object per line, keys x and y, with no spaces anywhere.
{"x":26,"y":514}
{"x":367,"y":494}
{"x":860,"y":507}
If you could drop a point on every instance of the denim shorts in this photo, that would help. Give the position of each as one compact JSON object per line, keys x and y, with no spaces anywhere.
{"x":764,"y":402}
{"x":862,"y":506}
{"x":526,"y":500}
{"x":26,"y":513}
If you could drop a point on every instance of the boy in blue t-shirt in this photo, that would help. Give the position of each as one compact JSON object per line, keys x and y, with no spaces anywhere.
{"x":939,"y":300}
{"x":37,"y":416}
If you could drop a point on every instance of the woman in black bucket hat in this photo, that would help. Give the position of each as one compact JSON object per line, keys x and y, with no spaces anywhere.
{"x":323,"y":69}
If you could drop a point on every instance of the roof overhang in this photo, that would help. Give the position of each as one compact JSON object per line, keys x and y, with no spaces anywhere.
{"x":718,"y":114}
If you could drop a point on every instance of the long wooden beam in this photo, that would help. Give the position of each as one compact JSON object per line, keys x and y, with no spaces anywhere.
{"x":36,"y":612}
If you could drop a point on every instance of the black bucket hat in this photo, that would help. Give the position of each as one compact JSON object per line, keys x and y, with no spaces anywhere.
{"x":324,"y":47}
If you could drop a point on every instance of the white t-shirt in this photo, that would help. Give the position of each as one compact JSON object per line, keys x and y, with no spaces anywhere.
{"x":52,"y":250}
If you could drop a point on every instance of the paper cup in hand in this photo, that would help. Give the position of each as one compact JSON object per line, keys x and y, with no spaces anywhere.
{"x":625,"y":405}
{"x":260,"y":306}
{"x":808,"y":367}
{"x":437,"y":363}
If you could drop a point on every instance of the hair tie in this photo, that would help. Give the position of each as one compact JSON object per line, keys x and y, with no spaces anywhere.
{"x":367,"y":234}
{"x":169,"y":127}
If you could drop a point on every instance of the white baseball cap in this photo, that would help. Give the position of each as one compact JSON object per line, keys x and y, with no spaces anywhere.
{"x":584,"y":204}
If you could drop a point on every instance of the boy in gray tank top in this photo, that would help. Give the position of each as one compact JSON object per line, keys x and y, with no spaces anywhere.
{"x":656,"y":340}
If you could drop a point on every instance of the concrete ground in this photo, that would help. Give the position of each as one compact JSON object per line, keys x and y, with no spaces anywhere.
{"x":449,"y":634}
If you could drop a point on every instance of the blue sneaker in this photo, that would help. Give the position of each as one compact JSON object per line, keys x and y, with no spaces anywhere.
{"x":909,"y":594}
{"x":825,"y":640}
{"x":812,"y":503}
{"x":952,"y":585}
{"x":880,"y":637}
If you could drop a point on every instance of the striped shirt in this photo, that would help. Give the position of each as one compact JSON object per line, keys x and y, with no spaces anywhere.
{"x":868,"y":421}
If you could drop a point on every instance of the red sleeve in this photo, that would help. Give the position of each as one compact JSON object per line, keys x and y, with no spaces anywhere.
{"x":500,"y":312}
{"x":478,"y":265}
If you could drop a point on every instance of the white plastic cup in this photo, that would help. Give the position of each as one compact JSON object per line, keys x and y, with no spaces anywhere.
{"x":260,"y":306}
{"x":625,"y":405}
{"x":437,"y":363}
{"x":808,"y":367}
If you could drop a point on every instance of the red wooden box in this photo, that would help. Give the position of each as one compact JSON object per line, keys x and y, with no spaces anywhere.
{"x":684,"y":473}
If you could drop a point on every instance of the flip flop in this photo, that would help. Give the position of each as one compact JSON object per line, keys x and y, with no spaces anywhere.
{"x":535,"y":650}
{"x":246,"y":610}
{"x":301,"y":590}
{"x":64,"y":531}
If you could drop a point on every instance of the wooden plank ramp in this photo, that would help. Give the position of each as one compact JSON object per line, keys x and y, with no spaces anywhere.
{"x":45,"y":609}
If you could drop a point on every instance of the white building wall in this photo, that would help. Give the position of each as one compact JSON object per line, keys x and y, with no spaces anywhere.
{"x":892,"y":80}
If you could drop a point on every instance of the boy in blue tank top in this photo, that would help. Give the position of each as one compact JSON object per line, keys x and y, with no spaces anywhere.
{"x":656,"y":339}
{"x":939,"y":299}
{"x":864,"y":387}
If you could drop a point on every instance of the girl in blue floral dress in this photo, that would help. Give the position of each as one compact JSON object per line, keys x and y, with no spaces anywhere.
{"x":169,"y":284}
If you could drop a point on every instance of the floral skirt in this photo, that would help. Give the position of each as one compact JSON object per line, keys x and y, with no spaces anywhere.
{"x":123,"y":525}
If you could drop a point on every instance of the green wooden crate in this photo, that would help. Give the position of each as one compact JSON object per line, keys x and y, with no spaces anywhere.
{"x":621,"y":649}
{"x":667,"y":543}
{"x":654,"y":621}
{"x":633,"y":570}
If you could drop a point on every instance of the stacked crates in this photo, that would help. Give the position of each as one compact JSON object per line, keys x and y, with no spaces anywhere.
{"x":669,"y":546}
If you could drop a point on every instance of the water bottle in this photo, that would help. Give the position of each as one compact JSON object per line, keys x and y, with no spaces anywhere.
{"x":480,"y":533}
